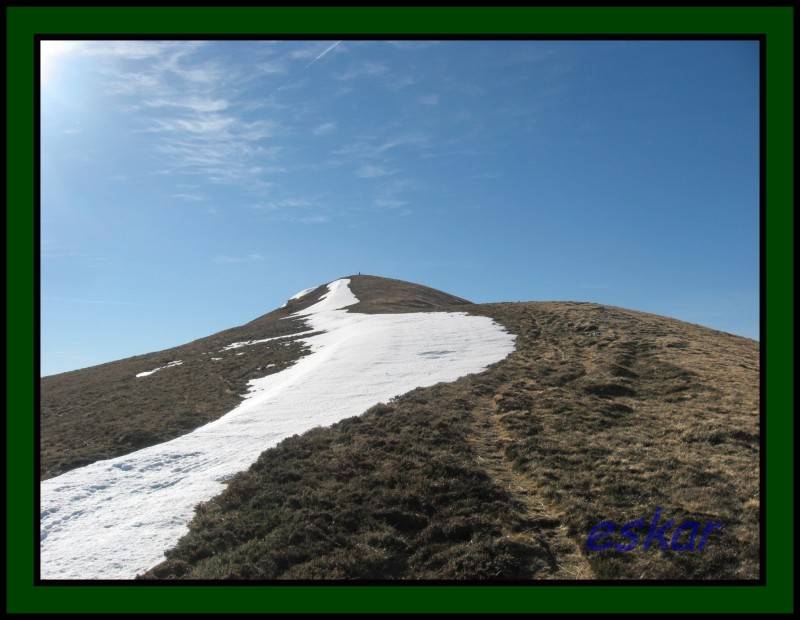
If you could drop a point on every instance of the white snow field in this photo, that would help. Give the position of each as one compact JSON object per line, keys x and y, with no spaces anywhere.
{"x":114,"y":519}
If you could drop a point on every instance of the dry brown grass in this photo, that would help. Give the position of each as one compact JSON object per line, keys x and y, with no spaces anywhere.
{"x":384,"y":295}
{"x":600,"y":414}
{"x":611,"y":413}
{"x":106,"y":411}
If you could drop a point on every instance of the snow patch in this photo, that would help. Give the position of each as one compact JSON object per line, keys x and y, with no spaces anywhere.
{"x":250,"y":343}
{"x":115,"y":518}
{"x":150,"y":372}
{"x":303,"y":293}
{"x":298,"y":295}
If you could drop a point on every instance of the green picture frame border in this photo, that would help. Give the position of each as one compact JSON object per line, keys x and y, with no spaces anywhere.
{"x":775,"y":23}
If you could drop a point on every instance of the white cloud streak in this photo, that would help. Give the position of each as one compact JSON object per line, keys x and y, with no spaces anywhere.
{"x":324,"y":53}
{"x":286,"y":203}
{"x":192,"y":105}
{"x":199,"y":105}
{"x":324,"y":129}
{"x":225,"y":259}
{"x":371,"y":171}
{"x":369,"y":69}
{"x":190,"y":197}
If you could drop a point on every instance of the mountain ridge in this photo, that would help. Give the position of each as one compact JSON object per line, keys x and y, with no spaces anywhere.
{"x":598,"y":413}
{"x":114,"y":407}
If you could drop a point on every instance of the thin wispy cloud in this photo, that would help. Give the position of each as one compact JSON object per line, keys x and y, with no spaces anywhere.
{"x":96,"y":302}
{"x":432,"y":99}
{"x":286,"y":203}
{"x":324,"y":129}
{"x":225,"y":259}
{"x":315,"y":219}
{"x":294,"y":218}
{"x":392,"y":195}
{"x":378,"y":146}
{"x":130,"y":83}
{"x":304,"y":53}
{"x":221,"y":148}
{"x":324,"y":53}
{"x":390,"y":203}
{"x":196,"y":105}
{"x":134,"y":50}
{"x":413,"y":45}
{"x":203,"y":124}
{"x":399,"y":82}
{"x":371,"y":171}
{"x":209,"y":125}
{"x":210,"y":128}
{"x":368,"y":68}
{"x":187,"y":102}
{"x":200,"y":74}
{"x":400,"y":141}
{"x":190,"y":197}
{"x":199,"y":105}
{"x":273,"y":67}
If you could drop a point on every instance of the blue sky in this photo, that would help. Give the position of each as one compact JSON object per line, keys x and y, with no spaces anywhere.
{"x":188,"y":187}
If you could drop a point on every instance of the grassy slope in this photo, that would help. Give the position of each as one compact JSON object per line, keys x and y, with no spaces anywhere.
{"x":106,"y":411}
{"x":384,"y":295}
{"x":601,"y":413}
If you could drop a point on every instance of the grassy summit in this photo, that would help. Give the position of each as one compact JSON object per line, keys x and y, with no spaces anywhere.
{"x":600,"y":414}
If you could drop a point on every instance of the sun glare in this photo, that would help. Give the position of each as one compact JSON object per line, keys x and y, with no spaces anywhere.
{"x":50,"y":53}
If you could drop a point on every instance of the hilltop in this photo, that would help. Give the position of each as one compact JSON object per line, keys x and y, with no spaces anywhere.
{"x":598,"y":413}
{"x":106,"y":411}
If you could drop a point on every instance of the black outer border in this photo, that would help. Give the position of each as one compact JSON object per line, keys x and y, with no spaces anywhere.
{"x":761,"y":38}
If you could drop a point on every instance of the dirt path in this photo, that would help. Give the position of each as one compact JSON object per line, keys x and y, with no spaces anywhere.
{"x":542,"y":525}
